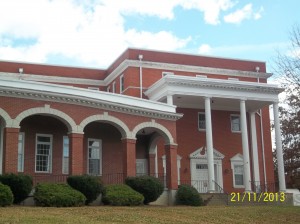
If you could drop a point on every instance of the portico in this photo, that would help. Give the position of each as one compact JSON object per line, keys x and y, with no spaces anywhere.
{"x":243,"y":99}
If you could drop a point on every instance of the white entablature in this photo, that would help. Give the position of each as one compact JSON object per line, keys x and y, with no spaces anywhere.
{"x":191,"y":89}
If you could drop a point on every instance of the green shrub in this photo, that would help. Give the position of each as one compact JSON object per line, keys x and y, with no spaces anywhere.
{"x":57,"y":195}
{"x":6,"y":195}
{"x":121,"y":195}
{"x":150,"y":187}
{"x":90,"y":186}
{"x":20,"y":185}
{"x":188,"y":195}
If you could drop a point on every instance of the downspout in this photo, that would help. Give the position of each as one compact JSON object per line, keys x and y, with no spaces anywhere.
{"x":141,"y":76}
{"x":262,"y":137}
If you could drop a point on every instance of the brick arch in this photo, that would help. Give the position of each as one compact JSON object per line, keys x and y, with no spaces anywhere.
{"x":5,"y":116}
{"x":117,"y":123}
{"x":163,"y":131}
{"x":63,"y":117}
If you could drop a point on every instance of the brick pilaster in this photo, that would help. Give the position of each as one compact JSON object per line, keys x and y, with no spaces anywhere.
{"x":129,"y":157}
{"x":171,"y":163}
{"x":10,"y":150}
{"x":76,"y":154}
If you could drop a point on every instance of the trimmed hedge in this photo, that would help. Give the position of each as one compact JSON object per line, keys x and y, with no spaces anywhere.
{"x":20,"y":185}
{"x":150,"y":187}
{"x":188,"y":195}
{"x":57,"y":195}
{"x":121,"y":195}
{"x":6,"y":195}
{"x":90,"y":186}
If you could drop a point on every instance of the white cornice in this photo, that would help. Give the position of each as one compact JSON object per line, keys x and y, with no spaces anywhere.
{"x":182,"y":68}
{"x":135,"y":63}
{"x":184,"y":85}
{"x":52,"y":79}
{"x":89,"y":98}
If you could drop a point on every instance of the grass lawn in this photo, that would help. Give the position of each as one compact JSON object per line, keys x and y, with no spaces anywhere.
{"x":151,"y":214}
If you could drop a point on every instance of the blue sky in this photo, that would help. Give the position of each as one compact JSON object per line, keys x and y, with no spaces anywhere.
{"x":92,"y":33}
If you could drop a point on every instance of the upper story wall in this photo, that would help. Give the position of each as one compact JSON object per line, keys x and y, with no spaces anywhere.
{"x":106,"y":79}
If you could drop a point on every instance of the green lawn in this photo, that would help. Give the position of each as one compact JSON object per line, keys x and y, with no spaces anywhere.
{"x":151,"y":214}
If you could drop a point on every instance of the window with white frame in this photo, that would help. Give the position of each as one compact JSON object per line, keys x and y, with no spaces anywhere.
{"x":237,"y":166}
{"x":95,"y":157}
{"x":121,"y":84}
{"x":65,"y":159}
{"x":43,"y":153}
{"x":21,"y":152}
{"x":201,"y":121}
{"x":238,"y":171}
{"x":235,"y":123}
{"x":114,"y":87}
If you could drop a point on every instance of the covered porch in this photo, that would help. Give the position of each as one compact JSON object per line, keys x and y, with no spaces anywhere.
{"x":247,"y":105}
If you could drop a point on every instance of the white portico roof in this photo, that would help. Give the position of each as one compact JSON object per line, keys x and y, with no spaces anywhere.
{"x":188,"y":92}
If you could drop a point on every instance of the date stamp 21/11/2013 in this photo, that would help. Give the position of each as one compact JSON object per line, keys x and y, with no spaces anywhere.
{"x":257,"y":197}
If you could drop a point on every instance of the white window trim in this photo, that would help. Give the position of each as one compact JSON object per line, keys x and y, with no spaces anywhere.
{"x":237,"y":160}
{"x":201,"y":129}
{"x":23,"y":144}
{"x":108,"y":89}
{"x":122,"y":82}
{"x":63,"y":168}
{"x":100,"y":155}
{"x":235,"y":115}
{"x":50,"y":153}
{"x":178,"y":167}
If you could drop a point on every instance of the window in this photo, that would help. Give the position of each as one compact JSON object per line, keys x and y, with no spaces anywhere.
{"x":108,"y":89}
{"x":201,"y":121}
{"x":114,"y":87}
{"x":65,"y":159}
{"x":141,"y":167}
{"x":43,"y":153}
{"x":121,"y":84}
{"x":237,"y":166}
{"x":235,"y":123}
{"x":238,"y":171}
{"x":95,"y":157}
{"x":21,"y":152}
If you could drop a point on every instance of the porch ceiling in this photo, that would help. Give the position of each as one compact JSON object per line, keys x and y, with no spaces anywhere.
{"x":197,"y":102}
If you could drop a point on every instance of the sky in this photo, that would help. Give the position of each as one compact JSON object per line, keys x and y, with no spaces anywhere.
{"x":93,"y":33}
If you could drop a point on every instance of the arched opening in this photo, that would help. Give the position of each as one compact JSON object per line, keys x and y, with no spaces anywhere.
{"x":151,"y":151}
{"x":43,"y":148}
{"x":102,"y":151}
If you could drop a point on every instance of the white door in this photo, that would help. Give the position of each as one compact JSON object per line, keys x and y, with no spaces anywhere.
{"x":199,"y":178}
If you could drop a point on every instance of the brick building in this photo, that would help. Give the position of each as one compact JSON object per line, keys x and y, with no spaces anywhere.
{"x":187,"y":119}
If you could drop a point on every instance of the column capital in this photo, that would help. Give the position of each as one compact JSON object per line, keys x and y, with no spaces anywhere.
{"x":207,"y":97}
{"x":243,"y":99}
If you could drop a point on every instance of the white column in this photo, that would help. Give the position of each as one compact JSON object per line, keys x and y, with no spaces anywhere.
{"x":170,"y":99}
{"x":247,"y":176}
{"x":209,"y":146}
{"x":279,"y":154}
{"x":255,"y":164}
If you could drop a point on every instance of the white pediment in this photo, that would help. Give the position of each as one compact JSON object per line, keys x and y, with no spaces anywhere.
{"x":237,"y":158}
{"x":201,"y":153}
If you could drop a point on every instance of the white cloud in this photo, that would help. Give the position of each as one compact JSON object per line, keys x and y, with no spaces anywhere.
{"x":205,"y":49}
{"x":91,"y":31}
{"x":210,"y":8}
{"x":242,"y":14}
